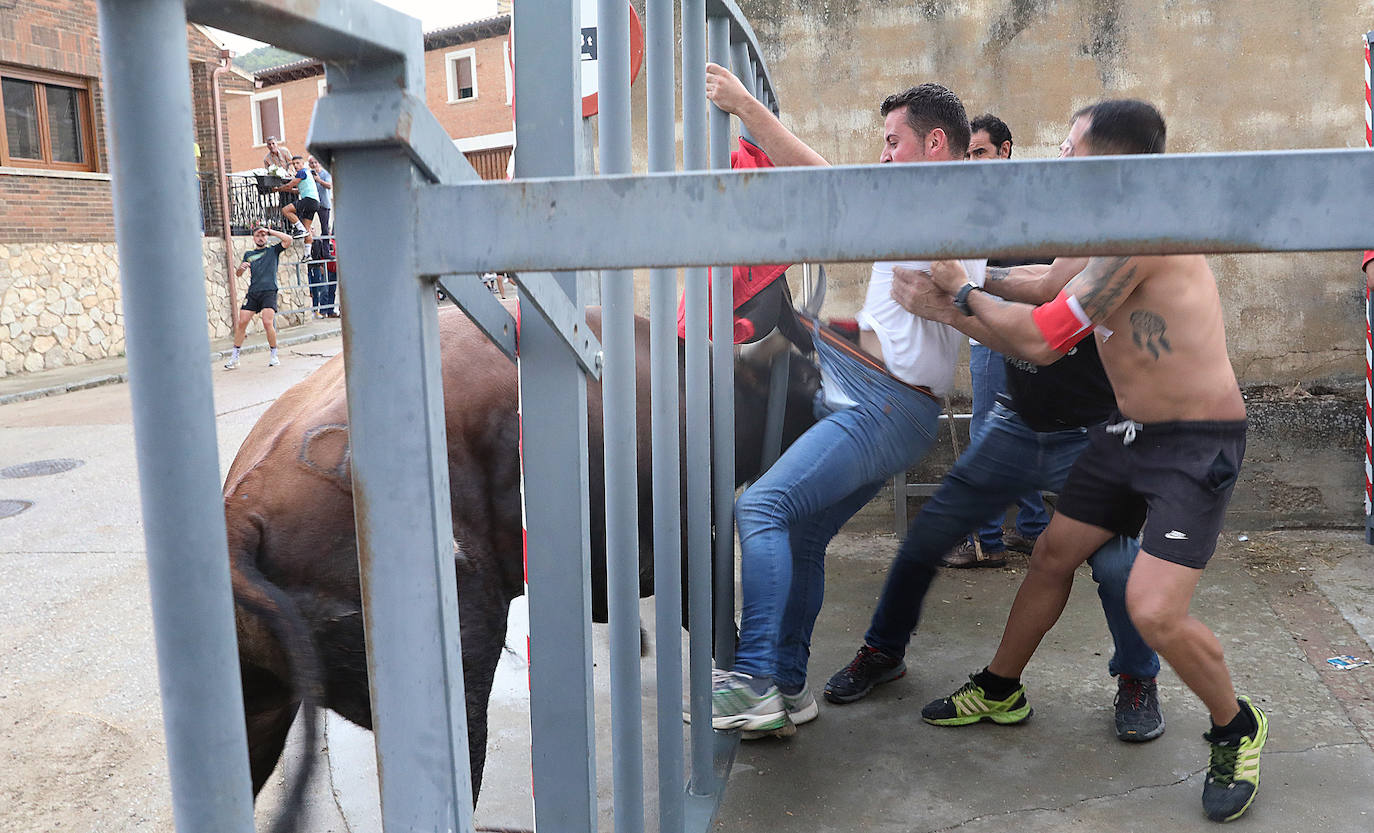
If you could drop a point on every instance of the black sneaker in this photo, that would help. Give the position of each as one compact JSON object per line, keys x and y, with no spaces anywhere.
{"x":870,"y":667}
{"x":1233,"y":769}
{"x":1137,"y":709}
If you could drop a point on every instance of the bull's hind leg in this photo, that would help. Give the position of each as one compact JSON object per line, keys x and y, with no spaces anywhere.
{"x":269,"y":709}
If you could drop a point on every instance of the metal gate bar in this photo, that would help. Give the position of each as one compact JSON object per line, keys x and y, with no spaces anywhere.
{"x":695,"y":156}
{"x":1301,"y":200}
{"x":554,"y":449}
{"x":663,"y":380}
{"x":148,"y":95}
{"x":618,"y":382}
{"x":722,"y":382}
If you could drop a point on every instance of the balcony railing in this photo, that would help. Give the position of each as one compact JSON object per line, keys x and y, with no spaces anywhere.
{"x":249,"y":205}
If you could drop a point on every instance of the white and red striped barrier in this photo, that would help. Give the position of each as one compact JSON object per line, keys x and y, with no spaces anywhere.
{"x":1368,"y":337}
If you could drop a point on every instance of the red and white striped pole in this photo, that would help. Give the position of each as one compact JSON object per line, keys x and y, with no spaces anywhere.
{"x":1368,"y":339}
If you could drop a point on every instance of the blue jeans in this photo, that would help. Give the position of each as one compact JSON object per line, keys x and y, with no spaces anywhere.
{"x":321,"y":288}
{"x":989,"y":374}
{"x":787,"y":518}
{"x":1007,"y":459}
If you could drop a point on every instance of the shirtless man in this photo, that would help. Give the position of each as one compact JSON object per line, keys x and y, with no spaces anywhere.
{"x":1169,"y":462}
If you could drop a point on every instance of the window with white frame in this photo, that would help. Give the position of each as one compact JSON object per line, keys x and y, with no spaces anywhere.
{"x":461,"y":69}
{"x":267,"y":117}
{"x":505,"y":62}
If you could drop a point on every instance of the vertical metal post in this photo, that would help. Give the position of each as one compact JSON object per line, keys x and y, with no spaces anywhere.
{"x":553,"y":426}
{"x":723,"y":387}
{"x":663,"y":391}
{"x":698,"y":392}
{"x":148,"y":96}
{"x":401,"y":500}
{"x":741,"y":66}
{"x":618,"y":408}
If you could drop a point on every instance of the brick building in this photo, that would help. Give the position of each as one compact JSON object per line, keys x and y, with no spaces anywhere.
{"x":468,"y":86}
{"x":59,"y":275}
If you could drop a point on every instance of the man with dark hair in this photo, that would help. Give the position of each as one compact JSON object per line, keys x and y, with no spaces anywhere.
{"x":1168,"y":461}
{"x":991,"y":138}
{"x":884,"y":414}
{"x":986,"y":547}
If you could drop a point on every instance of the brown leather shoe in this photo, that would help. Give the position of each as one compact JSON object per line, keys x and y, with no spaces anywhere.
{"x":1017,"y":542}
{"x":964,"y":556}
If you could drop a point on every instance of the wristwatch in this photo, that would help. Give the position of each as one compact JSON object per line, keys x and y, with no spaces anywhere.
{"x":961,"y":298}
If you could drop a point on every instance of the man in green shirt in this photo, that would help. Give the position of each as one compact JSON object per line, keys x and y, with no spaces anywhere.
{"x":261,"y":297}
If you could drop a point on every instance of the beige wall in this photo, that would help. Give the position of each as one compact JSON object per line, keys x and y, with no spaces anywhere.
{"x":1229,"y":75}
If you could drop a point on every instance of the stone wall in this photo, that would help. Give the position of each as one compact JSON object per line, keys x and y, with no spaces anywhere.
{"x":60,"y":303}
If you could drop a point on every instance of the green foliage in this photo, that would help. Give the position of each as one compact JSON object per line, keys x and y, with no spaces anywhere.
{"x":264,"y":57}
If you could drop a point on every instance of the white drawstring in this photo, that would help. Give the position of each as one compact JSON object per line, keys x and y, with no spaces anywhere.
{"x":1126,"y":428}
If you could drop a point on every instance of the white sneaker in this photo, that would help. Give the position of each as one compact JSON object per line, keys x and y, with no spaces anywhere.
{"x":273,"y":361}
{"x":801,"y":708}
{"x":232,"y":364}
{"x":298,"y":233}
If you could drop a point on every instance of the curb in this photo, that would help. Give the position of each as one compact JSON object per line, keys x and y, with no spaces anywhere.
{"x":119,"y":378}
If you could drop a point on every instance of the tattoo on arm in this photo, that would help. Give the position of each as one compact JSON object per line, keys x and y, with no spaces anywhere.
{"x":996,"y":274}
{"x":1105,"y":284}
{"x":1147,"y":328}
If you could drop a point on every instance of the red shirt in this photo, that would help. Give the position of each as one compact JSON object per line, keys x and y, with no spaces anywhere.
{"x":748,"y":280}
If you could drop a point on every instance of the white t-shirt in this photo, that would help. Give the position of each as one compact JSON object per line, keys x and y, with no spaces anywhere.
{"x":917,"y":351}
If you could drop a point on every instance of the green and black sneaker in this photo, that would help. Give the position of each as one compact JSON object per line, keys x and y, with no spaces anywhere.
{"x":970,"y":704}
{"x":1233,"y":770}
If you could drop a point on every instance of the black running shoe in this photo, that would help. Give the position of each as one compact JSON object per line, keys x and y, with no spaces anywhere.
{"x":870,"y":667}
{"x":1233,"y":769}
{"x":1137,"y":709}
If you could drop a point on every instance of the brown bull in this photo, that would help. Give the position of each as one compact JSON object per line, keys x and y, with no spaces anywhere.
{"x":293,"y":552}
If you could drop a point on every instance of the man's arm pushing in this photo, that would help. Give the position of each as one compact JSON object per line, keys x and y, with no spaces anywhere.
{"x":729,"y":94}
{"x":1044,"y":333}
{"x":1034,"y":283}
{"x":918,"y":295}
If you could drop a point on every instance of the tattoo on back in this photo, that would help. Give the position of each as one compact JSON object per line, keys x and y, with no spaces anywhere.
{"x":1147,"y":328}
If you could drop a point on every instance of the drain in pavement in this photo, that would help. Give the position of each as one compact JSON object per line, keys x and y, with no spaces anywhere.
{"x":9,"y":508}
{"x":38,"y":468}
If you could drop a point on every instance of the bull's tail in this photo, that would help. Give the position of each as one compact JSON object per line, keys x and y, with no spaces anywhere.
{"x":255,"y":596}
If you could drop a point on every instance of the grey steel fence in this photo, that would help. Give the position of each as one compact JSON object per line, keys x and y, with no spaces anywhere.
{"x":377,"y":135}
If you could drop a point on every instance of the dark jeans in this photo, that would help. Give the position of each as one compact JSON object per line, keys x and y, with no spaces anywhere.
{"x":323,"y":214}
{"x":321,"y":289}
{"x":1006,"y":460}
{"x":989,"y":375}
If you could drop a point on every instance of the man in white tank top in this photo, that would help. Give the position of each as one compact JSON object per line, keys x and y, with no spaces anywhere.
{"x":884,"y":418}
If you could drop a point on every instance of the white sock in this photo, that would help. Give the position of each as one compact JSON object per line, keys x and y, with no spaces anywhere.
{"x":274,"y":350}
{"x":236,"y":353}
{"x":300,"y":226}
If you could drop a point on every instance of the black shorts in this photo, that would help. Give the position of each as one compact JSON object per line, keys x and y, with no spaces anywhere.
{"x":258,"y":301}
{"x":306,"y":208}
{"x":1174,"y":478}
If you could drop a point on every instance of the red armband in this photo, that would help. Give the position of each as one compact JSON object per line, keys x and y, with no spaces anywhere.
{"x":1062,"y":322}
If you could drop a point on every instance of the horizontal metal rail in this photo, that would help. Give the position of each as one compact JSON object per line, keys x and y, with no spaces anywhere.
{"x":1309,"y":200}
{"x":327,"y":31}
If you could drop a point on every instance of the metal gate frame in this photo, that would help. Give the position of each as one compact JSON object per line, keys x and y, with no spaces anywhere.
{"x":376,"y":133}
